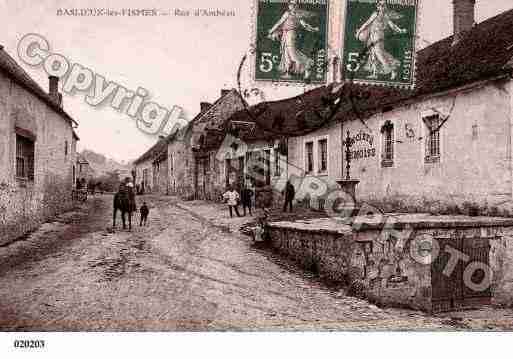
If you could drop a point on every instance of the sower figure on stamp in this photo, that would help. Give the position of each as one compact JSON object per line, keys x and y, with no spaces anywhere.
{"x":293,"y":61}
{"x":290,"y":193}
{"x":232,"y":199}
{"x":372,"y":33}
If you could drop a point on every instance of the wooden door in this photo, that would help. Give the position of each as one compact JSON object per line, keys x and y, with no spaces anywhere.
{"x":449,"y":290}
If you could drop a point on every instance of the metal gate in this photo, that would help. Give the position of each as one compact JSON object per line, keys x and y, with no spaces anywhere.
{"x":449,"y":291}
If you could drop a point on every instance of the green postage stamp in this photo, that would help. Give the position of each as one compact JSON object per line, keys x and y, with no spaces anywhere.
{"x":291,"y":41}
{"x":380,"y":42}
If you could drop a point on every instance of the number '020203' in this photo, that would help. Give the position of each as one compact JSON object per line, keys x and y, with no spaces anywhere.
{"x":29,"y":344}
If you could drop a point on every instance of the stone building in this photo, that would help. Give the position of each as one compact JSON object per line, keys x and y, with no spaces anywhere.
{"x":446,"y":146}
{"x":180,"y":164}
{"x":151,"y":169}
{"x":84,"y":171}
{"x":256,"y":144}
{"x":194,"y":170}
{"x":37,"y":151}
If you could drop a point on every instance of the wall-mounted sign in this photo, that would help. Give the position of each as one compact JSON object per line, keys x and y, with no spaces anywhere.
{"x":363,"y":146}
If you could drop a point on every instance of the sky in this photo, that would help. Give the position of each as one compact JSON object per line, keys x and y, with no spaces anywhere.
{"x":180,"y":60}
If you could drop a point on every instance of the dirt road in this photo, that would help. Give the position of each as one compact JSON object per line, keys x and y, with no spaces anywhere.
{"x":189,"y":269}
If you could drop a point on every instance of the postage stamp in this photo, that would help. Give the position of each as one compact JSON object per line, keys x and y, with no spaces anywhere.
{"x":291,"y":41}
{"x":380,"y":42}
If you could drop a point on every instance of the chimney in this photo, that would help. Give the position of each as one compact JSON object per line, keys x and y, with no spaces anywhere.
{"x":224,"y":92}
{"x":204,"y":106}
{"x":54,"y":90}
{"x":463,"y":18}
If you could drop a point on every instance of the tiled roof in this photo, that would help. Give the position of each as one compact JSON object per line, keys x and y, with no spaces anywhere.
{"x":155,"y":151}
{"x":293,"y":116}
{"x":486,"y":52}
{"x":14,"y":71}
{"x":203,"y":116}
{"x":209,"y":116}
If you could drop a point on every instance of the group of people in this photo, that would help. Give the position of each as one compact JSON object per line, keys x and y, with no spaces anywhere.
{"x":245,"y":198}
{"x":232,"y":198}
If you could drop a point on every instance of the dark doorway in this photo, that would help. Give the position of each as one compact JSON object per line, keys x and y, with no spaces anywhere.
{"x":449,"y":289}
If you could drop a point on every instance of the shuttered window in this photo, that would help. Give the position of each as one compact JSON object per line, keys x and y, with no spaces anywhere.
{"x":387,"y":155}
{"x":323,"y":155}
{"x":309,"y":157}
{"x":432,"y":138}
{"x":24,"y":158}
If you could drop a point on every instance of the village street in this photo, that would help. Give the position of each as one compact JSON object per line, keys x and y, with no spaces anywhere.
{"x":189,"y":269}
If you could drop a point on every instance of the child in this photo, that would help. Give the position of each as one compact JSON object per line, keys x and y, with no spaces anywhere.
{"x":232,"y":198}
{"x":145,"y":211}
{"x":262,"y":228}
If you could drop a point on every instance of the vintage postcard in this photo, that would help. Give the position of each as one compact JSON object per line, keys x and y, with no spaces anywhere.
{"x":252,"y":166}
{"x":291,"y":41}
{"x":380,"y":42}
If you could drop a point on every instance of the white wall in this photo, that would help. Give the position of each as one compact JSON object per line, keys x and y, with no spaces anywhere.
{"x":471,"y":169}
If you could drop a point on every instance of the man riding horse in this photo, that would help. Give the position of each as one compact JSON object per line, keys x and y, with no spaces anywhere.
{"x":124,"y":200}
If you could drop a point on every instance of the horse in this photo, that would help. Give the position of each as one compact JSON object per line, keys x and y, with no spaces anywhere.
{"x":124,"y":200}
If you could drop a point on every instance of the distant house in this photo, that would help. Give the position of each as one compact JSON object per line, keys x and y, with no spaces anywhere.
{"x":194,"y":171}
{"x":151,"y":169}
{"x":37,"y":151}
{"x":85,"y":172}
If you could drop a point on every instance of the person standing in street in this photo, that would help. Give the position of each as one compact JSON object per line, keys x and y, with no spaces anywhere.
{"x":290,"y":193}
{"x":246,"y":196}
{"x":232,"y":199}
{"x":145,"y":211}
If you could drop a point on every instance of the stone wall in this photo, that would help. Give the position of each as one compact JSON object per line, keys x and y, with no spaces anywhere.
{"x":25,"y":204}
{"x":384,"y":266}
{"x":181,"y":173}
{"x":211,"y":178}
{"x":380,"y":274}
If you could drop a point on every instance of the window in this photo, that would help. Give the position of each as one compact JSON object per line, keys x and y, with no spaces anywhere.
{"x":309,"y":165}
{"x":24,"y":158}
{"x":66,"y":148}
{"x":387,"y":154}
{"x":277,"y":165}
{"x":323,"y":155}
{"x":432,"y":138}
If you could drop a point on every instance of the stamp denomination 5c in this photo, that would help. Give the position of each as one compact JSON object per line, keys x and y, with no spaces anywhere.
{"x":291,"y":41}
{"x":380,"y":42}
